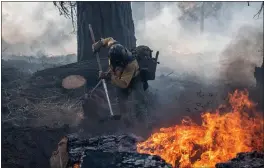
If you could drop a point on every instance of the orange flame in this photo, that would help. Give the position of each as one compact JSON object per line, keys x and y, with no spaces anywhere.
{"x":218,"y":139}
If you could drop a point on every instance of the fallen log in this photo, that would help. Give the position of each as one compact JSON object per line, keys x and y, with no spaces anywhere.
{"x":111,"y":151}
{"x":41,"y":82}
{"x":52,"y":77}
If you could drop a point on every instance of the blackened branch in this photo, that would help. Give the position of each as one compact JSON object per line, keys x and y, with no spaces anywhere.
{"x":67,"y":9}
{"x":260,"y":10}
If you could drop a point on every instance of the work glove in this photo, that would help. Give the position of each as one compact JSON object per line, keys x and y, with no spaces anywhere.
{"x":104,"y":75}
{"x":97,"y":46}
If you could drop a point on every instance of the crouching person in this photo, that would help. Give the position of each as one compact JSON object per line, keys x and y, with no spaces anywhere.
{"x":125,"y":75}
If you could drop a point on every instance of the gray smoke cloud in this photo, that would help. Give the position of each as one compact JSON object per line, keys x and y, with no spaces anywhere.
{"x":232,"y":37}
{"x":205,"y":65}
{"x":35,"y":28}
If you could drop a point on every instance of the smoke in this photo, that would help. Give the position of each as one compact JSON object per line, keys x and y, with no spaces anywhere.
{"x":231,"y":36}
{"x":36,"y":28}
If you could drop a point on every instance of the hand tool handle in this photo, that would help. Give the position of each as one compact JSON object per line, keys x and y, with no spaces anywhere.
{"x":96,"y":86}
{"x":97,"y":55}
{"x":100,"y":68}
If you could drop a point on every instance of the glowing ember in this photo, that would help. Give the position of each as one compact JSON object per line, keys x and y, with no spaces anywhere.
{"x":76,"y":165}
{"x":220,"y":137}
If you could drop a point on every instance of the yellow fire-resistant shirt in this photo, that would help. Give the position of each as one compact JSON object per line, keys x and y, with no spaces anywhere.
{"x":130,"y":71}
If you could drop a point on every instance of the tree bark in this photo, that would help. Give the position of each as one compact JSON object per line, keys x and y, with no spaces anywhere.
{"x":108,"y":19}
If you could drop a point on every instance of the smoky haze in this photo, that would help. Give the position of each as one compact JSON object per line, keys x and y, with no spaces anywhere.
{"x":36,"y":28}
{"x":202,"y":67}
{"x":231,"y":37}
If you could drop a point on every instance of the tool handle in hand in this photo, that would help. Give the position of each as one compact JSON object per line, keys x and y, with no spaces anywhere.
{"x":100,"y":68}
{"x":97,"y":55}
{"x":100,"y":81}
{"x":91,"y":32}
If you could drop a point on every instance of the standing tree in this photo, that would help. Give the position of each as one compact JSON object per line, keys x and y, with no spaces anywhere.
{"x":107,"y":19}
{"x":112,"y":19}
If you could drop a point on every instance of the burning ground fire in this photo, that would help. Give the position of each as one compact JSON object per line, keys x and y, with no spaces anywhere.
{"x":229,"y":130}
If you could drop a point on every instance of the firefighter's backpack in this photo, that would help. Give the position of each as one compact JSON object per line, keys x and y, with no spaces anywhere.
{"x":147,"y":63}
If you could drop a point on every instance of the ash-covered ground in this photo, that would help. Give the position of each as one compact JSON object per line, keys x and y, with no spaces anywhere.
{"x":31,"y":126}
{"x":36,"y":113}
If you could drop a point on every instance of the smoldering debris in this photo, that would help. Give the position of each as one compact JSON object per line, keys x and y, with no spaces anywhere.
{"x":251,"y":159}
{"x":106,"y":151}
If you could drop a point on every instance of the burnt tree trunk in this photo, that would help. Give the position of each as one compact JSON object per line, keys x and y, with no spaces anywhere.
{"x":108,"y":19}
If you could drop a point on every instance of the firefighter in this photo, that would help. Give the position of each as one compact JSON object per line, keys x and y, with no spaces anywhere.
{"x":125,"y":74}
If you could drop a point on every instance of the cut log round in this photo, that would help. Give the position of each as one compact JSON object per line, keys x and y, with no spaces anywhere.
{"x":73,"y":82}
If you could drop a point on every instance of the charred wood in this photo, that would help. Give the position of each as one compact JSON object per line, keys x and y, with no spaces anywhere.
{"x":110,"y":151}
{"x":243,"y":160}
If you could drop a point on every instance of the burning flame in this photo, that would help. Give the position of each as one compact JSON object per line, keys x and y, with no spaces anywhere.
{"x":218,"y":139}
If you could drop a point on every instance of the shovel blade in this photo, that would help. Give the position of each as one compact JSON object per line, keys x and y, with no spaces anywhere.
{"x":116,"y":117}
